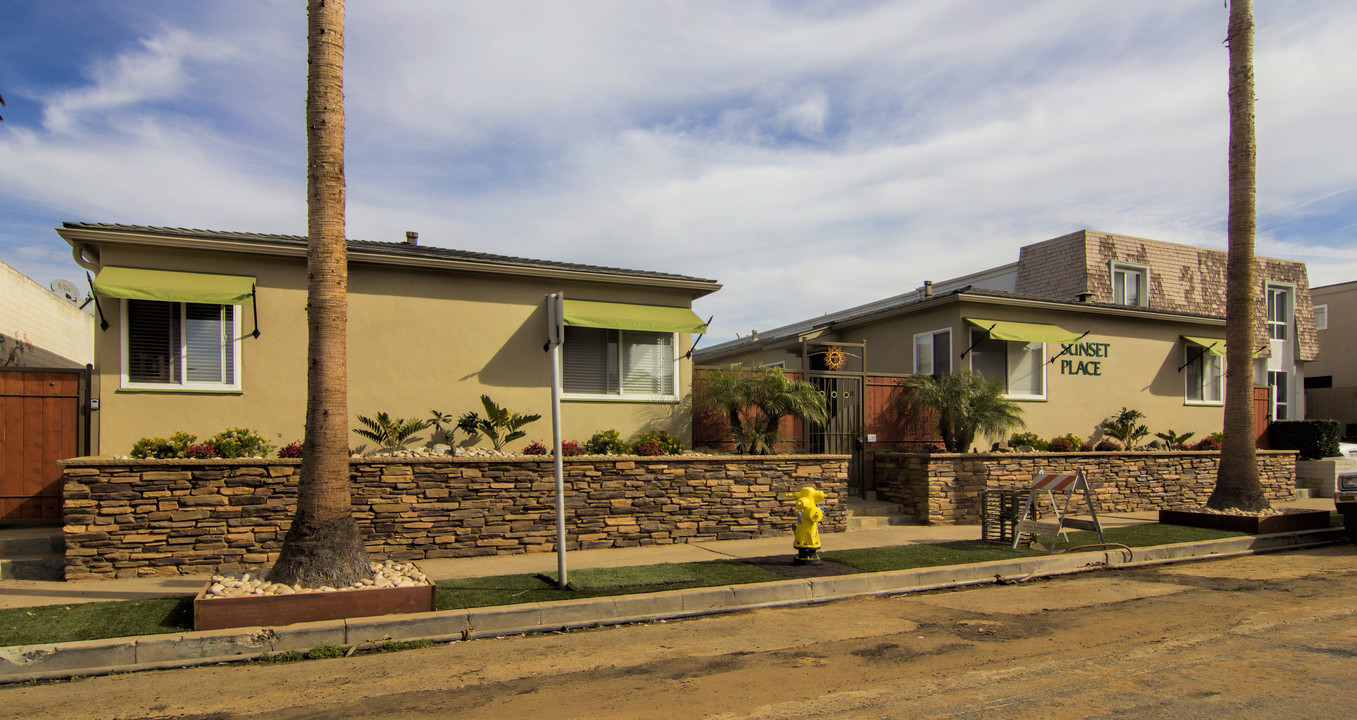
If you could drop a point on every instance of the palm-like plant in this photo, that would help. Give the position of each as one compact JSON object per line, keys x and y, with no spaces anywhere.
{"x":754,"y":402}
{"x":390,"y":433}
{"x":1174,"y":441}
{"x":500,"y":424}
{"x":1123,"y":427}
{"x":964,"y":404}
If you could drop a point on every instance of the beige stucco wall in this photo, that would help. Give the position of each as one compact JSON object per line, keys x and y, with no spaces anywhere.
{"x":1140,"y":369}
{"x":1337,"y":344}
{"x":417,"y":340}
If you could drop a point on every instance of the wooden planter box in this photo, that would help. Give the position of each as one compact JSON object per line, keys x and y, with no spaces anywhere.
{"x":1288,"y":522}
{"x":216,"y":613}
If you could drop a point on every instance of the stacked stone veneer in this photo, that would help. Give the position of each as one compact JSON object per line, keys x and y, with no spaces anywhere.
{"x":945,"y":488}
{"x":126,"y":518}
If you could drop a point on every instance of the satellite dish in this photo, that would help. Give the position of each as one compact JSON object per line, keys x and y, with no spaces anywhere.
{"x":66,"y":289}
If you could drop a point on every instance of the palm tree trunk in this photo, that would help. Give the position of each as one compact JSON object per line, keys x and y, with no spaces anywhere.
{"x":1237,"y":484}
{"x":323,"y":545}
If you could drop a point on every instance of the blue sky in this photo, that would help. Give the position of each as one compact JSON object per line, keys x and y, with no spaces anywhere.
{"x":808,"y":155}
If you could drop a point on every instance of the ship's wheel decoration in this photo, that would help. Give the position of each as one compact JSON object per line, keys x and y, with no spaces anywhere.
{"x":835,"y":358}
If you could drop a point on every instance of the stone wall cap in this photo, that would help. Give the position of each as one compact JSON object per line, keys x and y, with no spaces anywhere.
{"x":105,"y":461}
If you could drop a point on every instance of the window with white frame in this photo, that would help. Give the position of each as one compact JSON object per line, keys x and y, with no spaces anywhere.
{"x":1321,"y":317}
{"x":632,"y":364}
{"x":1129,"y":284}
{"x":1205,"y":373}
{"x":182,"y":346}
{"x":1280,"y":383}
{"x":1278,"y":311}
{"x":933,"y":353}
{"x":1020,"y":366}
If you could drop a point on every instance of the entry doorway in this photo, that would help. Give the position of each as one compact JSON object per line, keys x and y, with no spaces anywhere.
{"x":836,"y":369}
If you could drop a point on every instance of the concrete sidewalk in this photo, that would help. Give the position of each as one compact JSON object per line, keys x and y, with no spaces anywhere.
{"x":31,"y":593}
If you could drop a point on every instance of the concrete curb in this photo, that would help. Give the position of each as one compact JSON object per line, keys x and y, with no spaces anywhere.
{"x":22,"y":663}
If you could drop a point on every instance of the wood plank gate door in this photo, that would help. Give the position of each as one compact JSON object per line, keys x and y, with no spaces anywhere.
{"x":41,"y":422}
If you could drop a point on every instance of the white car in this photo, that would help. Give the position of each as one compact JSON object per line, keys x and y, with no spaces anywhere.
{"x":1347,"y":450}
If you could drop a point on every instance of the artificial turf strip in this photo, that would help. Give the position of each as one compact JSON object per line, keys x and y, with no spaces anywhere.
{"x":595,"y":582}
{"x":94,"y":621}
{"x":906,"y":557}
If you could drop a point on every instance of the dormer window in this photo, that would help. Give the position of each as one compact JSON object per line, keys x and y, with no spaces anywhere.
{"x":1278,"y":311}
{"x":1130,"y":284}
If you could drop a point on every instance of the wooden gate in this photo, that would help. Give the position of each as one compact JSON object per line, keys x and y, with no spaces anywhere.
{"x":42,"y":420}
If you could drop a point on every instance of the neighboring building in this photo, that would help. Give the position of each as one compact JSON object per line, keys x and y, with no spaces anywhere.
{"x":1331,"y":380}
{"x":204,"y":330}
{"x":39,"y":328}
{"x":1079,"y":327}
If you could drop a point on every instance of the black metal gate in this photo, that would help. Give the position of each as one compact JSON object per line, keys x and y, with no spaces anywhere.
{"x":842,"y":434}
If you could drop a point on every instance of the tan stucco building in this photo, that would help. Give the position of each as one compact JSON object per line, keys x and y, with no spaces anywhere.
{"x":199,"y":331}
{"x":1331,"y":380}
{"x":1080,"y":326}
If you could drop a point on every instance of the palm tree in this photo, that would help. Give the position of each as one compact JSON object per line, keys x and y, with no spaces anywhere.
{"x":754,"y":401}
{"x":964,"y":404}
{"x":323,"y":546}
{"x":777,"y":396}
{"x":1237,"y":484}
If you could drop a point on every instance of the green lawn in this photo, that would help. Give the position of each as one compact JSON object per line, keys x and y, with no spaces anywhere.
{"x":90,"y":621}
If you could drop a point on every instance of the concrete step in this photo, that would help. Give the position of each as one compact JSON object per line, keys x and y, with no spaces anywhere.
{"x":32,"y":567}
{"x":872,"y":522}
{"x":31,"y":540}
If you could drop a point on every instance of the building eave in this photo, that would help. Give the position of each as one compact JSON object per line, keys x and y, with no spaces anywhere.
{"x":80,"y":238}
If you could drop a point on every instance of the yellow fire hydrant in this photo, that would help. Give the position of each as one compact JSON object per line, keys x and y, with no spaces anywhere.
{"x":806,"y":539}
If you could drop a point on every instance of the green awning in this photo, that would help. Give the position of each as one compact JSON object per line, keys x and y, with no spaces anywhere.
{"x":623,"y":316}
{"x":1215,"y":346}
{"x":172,"y":286}
{"x":1024,"y":332}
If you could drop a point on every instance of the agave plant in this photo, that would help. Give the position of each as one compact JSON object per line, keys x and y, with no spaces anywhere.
{"x":390,"y":433}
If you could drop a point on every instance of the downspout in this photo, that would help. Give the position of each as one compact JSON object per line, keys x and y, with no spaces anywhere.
{"x":78,"y":254}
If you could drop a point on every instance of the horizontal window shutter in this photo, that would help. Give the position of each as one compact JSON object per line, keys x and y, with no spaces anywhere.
{"x":204,"y":341}
{"x":1024,"y":368}
{"x":648,"y":363}
{"x":586,"y":362}
{"x":152,"y":341}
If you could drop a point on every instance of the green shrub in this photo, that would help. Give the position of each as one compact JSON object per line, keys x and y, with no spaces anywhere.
{"x":176,"y":446}
{"x":1209,"y":443}
{"x":1314,"y":439}
{"x":1030,"y":439}
{"x":607,"y":442}
{"x":1107,"y":445}
{"x":668,"y":442}
{"x":240,"y":443}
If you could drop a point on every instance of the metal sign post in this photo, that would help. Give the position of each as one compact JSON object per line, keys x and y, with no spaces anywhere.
{"x":555,"y":339}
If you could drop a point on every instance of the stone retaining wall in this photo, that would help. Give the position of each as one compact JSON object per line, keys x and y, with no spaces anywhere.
{"x":126,"y":518}
{"x":945,"y":488}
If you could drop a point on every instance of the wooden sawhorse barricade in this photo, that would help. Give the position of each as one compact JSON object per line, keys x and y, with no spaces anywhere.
{"x":1050,"y":483}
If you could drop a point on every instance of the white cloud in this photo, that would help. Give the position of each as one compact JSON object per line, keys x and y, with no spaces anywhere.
{"x":810,"y":156}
